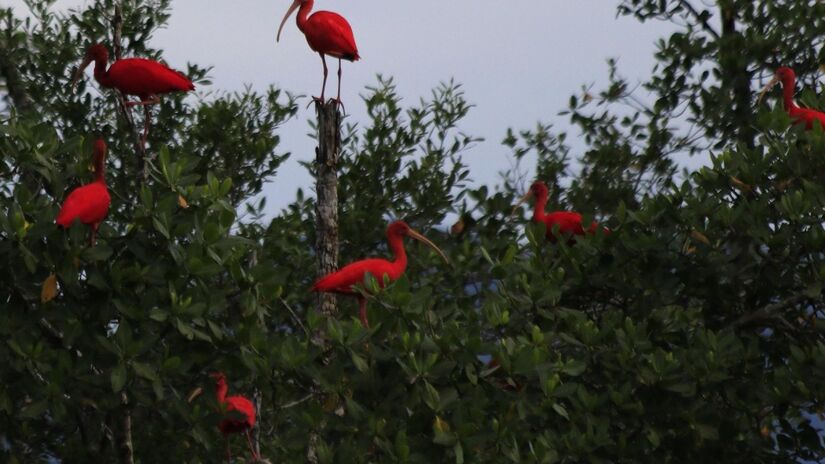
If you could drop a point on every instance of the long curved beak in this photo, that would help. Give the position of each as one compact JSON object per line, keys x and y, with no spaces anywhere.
{"x":79,"y":72}
{"x":413,"y":234}
{"x":522,"y":201}
{"x":194,"y":394}
{"x":767,"y":89}
{"x":295,"y":5}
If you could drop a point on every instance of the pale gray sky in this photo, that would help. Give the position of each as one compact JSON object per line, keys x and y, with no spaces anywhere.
{"x":518,"y":60}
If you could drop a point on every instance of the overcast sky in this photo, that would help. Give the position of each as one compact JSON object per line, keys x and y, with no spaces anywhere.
{"x":518,"y":61}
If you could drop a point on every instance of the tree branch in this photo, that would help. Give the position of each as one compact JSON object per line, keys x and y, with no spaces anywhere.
{"x":698,"y":16}
{"x":770,"y":311}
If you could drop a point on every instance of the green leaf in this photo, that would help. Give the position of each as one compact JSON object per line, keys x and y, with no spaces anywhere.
{"x":118,"y":378}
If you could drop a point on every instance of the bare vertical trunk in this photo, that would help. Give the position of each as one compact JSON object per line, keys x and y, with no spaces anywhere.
{"x":735,"y":74}
{"x":117,"y":47}
{"x":326,"y":224}
{"x":326,"y":188}
{"x":125,"y":449}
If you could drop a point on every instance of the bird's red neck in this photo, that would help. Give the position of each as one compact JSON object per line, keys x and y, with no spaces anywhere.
{"x":100,"y":166}
{"x":788,"y":87}
{"x":538,"y":208}
{"x":303,"y":13}
{"x":397,"y":246}
{"x":220,"y":390}
{"x":101,"y":74}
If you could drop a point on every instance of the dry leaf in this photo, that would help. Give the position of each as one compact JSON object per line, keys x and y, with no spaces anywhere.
{"x":48,"y":291}
{"x":458,"y":227}
{"x":588,"y":97}
{"x":741,"y":186}
{"x":698,"y":236}
{"x":781,"y":186}
{"x":441,"y":425}
{"x":182,"y":202}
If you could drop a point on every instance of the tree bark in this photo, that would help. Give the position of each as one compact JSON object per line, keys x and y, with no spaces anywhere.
{"x":125,"y":448}
{"x":326,"y":207}
{"x":117,"y":47}
{"x":735,"y":75}
{"x":14,"y":83}
{"x":326,"y":227}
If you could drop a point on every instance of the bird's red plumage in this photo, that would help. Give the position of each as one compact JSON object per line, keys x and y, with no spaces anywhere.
{"x":142,"y":77}
{"x":329,"y":33}
{"x":569,"y":222}
{"x":343,"y":280}
{"x":799,"y":115}
{"x":242,"y":405}
{"x":240,"y":414}
{"x":806,"y":116}
{"x":89,"y":203}
{"x":136,"y":76}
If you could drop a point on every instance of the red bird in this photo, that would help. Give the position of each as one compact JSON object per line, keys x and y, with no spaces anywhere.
{"x":241,"y":414}
{"x":90,"y":203}
{"x":569,"y":222}
{"x":134,"y":76}
{"x":344,"y":280}
{"x":327,"y":33}
{"x":799,"y":115}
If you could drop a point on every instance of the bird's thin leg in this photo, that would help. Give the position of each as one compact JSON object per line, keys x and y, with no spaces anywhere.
{"x":147,"y":120}
{"x":228,"y":451}
{"x":362,"y":305}
{"x":338,"y":100}
{"x":324,"y":85}
{"x":339,"y":80}
{"x":153,"y":100}
{"x":255,"y":456}
{"x":93,"y":238}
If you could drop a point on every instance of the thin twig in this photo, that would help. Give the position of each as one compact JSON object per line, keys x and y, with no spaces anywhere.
{"x":292,"y":404}
{"x":295,"y":316}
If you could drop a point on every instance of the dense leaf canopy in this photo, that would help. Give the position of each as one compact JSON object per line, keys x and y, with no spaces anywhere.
{"x":694,"y":332}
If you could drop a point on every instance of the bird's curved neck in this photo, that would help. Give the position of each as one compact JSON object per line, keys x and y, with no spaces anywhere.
{"x":303,"y":14}
{"x":399,"y":253}
{"x":220,"y":391}
{"x":100,"y":168}
{"x":538,"y":208}
{"x":101,"y":73}
{"x":788,"y":87}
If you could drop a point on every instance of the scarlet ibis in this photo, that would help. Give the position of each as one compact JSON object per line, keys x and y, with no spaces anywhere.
{"x":327,"y":33}
{"x":240,"y":412}
{"x":787,"y":78}
{"x":344,"y":280}
{"x":569,"y":222}
{"x":89,"y":203}
{"x":134,"y":76}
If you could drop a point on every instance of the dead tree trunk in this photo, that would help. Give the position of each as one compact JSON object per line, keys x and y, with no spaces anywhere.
{"x":326,"y":188}
{"x":125,"y":448}
{"x":326,"y":226}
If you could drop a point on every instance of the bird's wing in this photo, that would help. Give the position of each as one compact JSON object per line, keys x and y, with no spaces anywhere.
{"x":89,"y":203}
{"x":139,"y":76}
{"x":345,"y":278}
{"x":333,"y":35}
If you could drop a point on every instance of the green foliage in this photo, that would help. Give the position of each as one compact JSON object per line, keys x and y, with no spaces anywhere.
{"x":693,"y":332}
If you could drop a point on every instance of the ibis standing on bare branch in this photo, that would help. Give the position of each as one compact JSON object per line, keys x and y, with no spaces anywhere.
{"x":146,"y":79}
{"x":327,"y":33}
